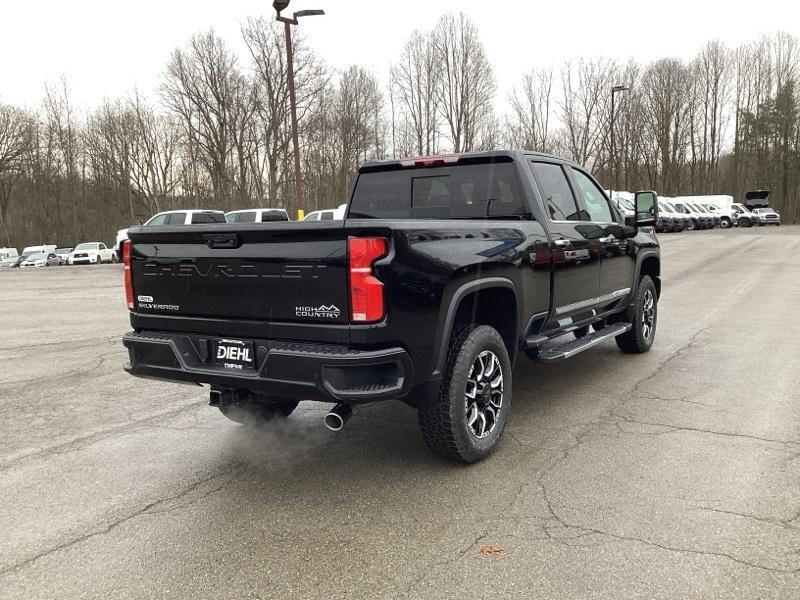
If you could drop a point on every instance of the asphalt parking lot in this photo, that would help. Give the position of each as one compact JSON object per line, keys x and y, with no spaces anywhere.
{"x":674,"y":474}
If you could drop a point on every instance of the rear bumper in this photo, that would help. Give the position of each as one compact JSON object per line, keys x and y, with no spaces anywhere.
{"x":302,"y":371}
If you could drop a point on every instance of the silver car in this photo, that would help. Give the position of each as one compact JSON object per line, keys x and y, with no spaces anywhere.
{"x":41,"y":259}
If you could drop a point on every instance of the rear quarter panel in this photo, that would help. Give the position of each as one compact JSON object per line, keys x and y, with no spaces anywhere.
{"x":430,"y":260}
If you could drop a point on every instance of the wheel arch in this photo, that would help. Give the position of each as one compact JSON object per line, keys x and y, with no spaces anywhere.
{"x":491,"y":301}
{"x":650,"y":264}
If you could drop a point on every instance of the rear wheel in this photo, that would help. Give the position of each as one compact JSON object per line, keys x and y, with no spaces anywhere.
{"x":725,"y":223}
{"x":466,"y":421}
{"x":643,"y":315}
{"x":259,"y":409}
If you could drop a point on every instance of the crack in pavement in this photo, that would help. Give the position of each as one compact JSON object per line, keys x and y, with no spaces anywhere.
{"x":671,"y":428}
{"x":587,"y":429}
{"x":77,"y":372}
{"x":74,"y":344}
{"x":584,"y":431}
{"x":465,"y":549}
{"x":693,"y":551}
{"x":83,"y":442}
{"x":229,"y":476}
{"x":785,"y":523}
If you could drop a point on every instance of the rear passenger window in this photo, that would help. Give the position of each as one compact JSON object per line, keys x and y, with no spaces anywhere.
{"x":158,"y":220}
{"x":245,"y":217}
{"x":326,"y":216}
{"x":201,"y":218}
{"x":593,"y":199}
{"x":557,"y":195}
{"x":176,"y":219}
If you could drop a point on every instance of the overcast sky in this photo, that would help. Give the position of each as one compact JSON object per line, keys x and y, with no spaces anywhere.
{"x":106,"y":48}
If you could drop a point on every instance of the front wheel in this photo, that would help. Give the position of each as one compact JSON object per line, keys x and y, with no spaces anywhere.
{"x":643,"y":315}
{"x":466,"y":421}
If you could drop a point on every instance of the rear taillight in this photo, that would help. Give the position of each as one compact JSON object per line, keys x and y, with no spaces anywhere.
{"x":366,"y":291}
{"x":125,"y":248}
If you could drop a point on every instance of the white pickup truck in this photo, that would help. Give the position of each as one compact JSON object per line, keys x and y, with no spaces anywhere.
{"x":744,"y":218}
{"x":91,"y":253}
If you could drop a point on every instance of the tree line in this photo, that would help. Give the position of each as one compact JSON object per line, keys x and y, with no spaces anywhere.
{"x":217,"y":133}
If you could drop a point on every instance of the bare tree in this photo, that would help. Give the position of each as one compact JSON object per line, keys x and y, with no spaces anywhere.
{"x":415,"y":83}
{"x":272,"y":127}
{"x":467,"y":85}
{"x":529,"y":124}
{"x":664,"y":96}
{"x":155,"y":175}
{"x":200,"y":87}
{"x":709,"y":96}
{"x":15,"y":143}
{"x":586,"y":110}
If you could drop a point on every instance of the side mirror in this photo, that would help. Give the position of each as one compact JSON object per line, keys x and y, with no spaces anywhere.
{"x":646,"y":208}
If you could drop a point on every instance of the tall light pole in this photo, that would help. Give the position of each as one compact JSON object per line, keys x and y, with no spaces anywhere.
{"x":615,"y":171}
{"x":279,"y":6}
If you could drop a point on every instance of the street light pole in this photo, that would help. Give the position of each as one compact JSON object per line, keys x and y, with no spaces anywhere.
{"x":615,"y":171}
{"x":299,"y":201}
{"x":279,"y":6}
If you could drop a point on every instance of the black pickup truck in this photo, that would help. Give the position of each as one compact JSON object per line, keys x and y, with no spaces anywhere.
{"x":444,"y":270}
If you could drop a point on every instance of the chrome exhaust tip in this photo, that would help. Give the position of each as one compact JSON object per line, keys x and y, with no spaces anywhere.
{"x":338,"y":416}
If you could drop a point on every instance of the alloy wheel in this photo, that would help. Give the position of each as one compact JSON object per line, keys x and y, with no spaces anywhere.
{"x":484,"y":394}
{"x":648,"y":314}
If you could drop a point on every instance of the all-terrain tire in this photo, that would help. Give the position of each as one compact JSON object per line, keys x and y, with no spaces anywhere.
{"x":643,"y":314}
{"x":445,"y":420}
{"x":259,"y":410}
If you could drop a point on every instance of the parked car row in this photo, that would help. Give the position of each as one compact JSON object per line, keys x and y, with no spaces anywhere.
{"x":87,"y":253}
{"x":680,"y":214}
{"x":250,"y":215}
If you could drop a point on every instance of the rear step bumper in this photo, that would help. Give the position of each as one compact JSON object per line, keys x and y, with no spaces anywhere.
{"x":324,"y":372}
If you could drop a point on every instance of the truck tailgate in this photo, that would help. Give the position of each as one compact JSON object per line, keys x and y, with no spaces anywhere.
{"x":271,"y":272}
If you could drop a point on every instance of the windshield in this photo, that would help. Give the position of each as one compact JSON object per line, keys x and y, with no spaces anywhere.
{"x":87,"y":246}
{"x":670,"y":207}
{"x":37,"y":256}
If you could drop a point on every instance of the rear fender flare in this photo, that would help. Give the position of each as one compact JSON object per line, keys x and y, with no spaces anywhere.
{"x":460,"y":293}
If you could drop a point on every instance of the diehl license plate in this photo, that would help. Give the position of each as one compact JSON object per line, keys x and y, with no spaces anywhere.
{"x":234,"y":354}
